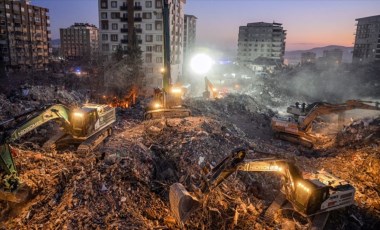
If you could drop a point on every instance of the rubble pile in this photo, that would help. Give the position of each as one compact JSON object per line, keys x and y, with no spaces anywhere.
{"x":125,"y":183}
{"x":360,"y":132}
{"x":34,"y":96}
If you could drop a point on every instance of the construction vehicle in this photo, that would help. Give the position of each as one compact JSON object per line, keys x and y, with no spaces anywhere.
{"x":166,"y":102}
{"x":298,"y":128}
{"x":313,"y":197}
{"x":87,"y":126}
{"x":210,"y":91}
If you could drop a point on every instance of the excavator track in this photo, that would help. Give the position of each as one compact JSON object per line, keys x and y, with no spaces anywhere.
{"x":51,"y":144}
{"x":295,"y":139}
{"x":91,"y":143}
{"x":318,"y":221}
{"x":272,"y":210}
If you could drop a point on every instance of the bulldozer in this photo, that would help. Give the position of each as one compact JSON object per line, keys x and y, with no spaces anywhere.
{"x":298,"y":128}
{"x":167,"y":102}
{"x":313,"y":197}
{"x":87,"y":126}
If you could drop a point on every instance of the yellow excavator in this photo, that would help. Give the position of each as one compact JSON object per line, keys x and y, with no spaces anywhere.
{"x":312,"y":197}
{"x":87,"y":126}
{"x":298,"y":128}
{"x":210,"y":91}
{"x":167,"y":102}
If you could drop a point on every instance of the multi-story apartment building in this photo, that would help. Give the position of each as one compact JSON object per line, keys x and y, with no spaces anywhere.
{"x":308,"y":58}
{"x":260,"y":39}
{"x":367,"y":40}
{"x":189,"y":38}
{"x":24,"y":35}
{"x":121,"y":19}
{"x":80,"y":41}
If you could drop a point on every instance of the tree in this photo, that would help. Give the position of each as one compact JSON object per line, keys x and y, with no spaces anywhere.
{"x":125,"y":70}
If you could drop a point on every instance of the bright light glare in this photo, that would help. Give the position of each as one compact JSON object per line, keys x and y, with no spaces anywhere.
{"x":176,"y":90}
{"x":157,"y":105}
{"x":78,"y":114}
{"x":201,"y":63}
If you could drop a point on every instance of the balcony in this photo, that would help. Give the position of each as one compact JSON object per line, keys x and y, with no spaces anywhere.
{"x":138,"y":30}
{"x":137,"y":8}
{"x":124,"y":41}
{"x":124,"y":30}
{"x":123,"y":8}
{"x":124,"y":19}
{"x":138,"y":19}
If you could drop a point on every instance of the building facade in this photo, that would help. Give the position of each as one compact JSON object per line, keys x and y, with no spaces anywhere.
{"x":260,"y":39}
{"x":121,"y":20}
{"x":24,"y":35}
{"x":189,"y":38}
{"x":308,"y":58}
{"x":367,"y":40}
{"x":80,"y":42}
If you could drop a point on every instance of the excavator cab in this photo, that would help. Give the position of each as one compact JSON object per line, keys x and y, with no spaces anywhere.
{"x":81,"y":120}
{"x":308,"y":196}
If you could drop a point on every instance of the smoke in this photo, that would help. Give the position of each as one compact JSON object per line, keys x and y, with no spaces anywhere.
{"x":332,"y":84}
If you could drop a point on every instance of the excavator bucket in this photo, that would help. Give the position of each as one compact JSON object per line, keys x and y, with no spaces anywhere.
{"x":20,"y":195}
{"x":182,"y":203}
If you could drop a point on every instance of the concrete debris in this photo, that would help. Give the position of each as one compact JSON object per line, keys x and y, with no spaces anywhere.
{"x":125,"y":183}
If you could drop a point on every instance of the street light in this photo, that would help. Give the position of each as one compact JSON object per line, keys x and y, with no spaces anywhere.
{"x":201,"y":63}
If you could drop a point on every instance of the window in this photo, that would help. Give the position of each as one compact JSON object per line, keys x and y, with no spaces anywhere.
{"x":149,"y":38}
{"x":158,"y":3}
{"x":105,"y":47}
{"x":137,"y":4}
{"x":159,"y":38}
{"x":104,"y":37}
{"x":114,"y":4}
{"x":115,"y":15}
{"x":158,"y":48}
{"x":104,"y":15}
{"x":114,"y":47}
{"x":6,"y":6}
{"x":114,"y":37}
{"x":148,"y":58}
{"x":158,"y":25}
{"x":149,"y":49}
{"x":159,"y":16}
{"x":115,"y":26}
{"x":104,"y":4}
{"x":104,"y":25}
{"x":148,"y":4}
{"x":147,"y":15}
{"x":158,"y":59}
{"x":148,"y":26}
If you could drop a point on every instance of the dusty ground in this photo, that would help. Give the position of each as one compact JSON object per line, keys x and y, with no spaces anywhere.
{"x":125,"y":183}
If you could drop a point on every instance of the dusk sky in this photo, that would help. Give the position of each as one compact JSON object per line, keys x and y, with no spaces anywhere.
{"x":308,"y":23}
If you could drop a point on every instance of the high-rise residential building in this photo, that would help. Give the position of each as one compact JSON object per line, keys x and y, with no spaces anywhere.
{"x":367,"y":40}
{"x":308,"y":57}
{"x":121,"y":20}
{"x":261,"y":39}
{"x":80,"y":41}
{"x":189,"y":38}
{"x":24,"y":35}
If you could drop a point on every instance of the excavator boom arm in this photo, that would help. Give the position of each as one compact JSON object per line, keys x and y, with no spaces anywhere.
{"x":322,"y":109}
{"x":51,"y":113}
